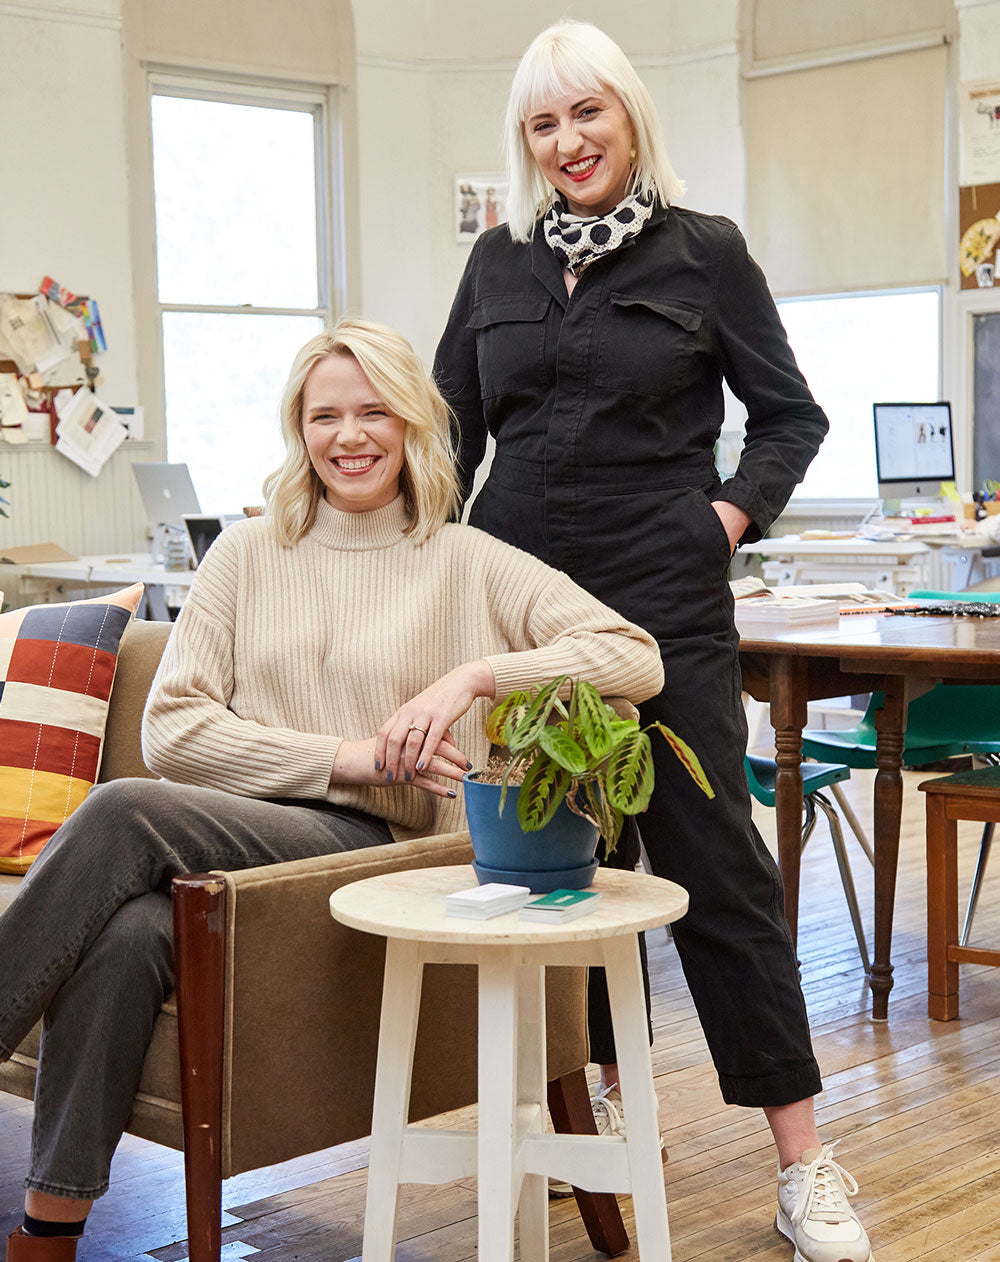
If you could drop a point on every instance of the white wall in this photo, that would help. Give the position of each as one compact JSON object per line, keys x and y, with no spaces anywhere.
{"x":439,"y":70}
{"x":429,"y":84}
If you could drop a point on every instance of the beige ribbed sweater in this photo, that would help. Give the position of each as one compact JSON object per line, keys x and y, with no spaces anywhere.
{"x":280,"y":653}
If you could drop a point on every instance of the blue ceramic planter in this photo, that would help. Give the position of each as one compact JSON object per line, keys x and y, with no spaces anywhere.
{"x":559,"y":856}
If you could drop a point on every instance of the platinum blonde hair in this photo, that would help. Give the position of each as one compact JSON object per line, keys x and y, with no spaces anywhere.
{"x":577,"y":57}
{"x":428,"y":479}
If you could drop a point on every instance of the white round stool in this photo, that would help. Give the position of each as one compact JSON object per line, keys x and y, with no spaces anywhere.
{"x":511,"y":1155}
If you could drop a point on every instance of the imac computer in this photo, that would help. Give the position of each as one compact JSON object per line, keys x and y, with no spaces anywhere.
{"x":913,"y":451}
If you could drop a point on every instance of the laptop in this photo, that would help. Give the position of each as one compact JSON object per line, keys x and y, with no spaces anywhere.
{"x":167,"y":492}
{"x":202,"y":531}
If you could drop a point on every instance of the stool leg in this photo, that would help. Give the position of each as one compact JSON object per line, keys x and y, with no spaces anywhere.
{"x":977,"y":882}
{"x":846,"y":876}
{"x":533,"y":1204}
{"x":628,"y":1018}
{"x":497,"y":1103}
{"x":942,"y":910}
{"x":394,"y":1072}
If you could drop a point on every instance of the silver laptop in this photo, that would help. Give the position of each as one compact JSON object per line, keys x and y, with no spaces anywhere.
{"x":167,"y":492}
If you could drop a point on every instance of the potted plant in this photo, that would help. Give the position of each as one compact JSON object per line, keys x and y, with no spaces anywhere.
{"x":575,"y":770}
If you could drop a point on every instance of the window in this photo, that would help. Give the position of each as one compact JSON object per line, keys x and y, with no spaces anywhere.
{"x":854,"y":350}
{"x":242,"y":273}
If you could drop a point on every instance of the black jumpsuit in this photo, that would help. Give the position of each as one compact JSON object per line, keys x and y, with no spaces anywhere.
{"x":606,"y":407}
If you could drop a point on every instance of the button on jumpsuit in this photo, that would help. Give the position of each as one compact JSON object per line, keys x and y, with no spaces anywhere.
{"x":606,"y":406}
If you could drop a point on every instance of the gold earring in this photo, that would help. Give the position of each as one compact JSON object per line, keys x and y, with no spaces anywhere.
{"x":633,"y":153}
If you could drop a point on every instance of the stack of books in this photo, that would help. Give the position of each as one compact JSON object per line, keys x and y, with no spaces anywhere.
{"x":560,"y":906}
{"x":482,"y":902}
{"x":777,"y":613}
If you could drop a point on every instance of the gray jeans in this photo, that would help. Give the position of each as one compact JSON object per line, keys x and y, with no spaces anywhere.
{"x":87,"y":944}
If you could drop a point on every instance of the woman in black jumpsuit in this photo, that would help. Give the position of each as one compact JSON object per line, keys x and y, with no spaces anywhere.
{"x":602,"y":386}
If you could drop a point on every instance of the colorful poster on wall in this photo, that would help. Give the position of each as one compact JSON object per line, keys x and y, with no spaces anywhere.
{"x":979,"y":224}
{"x":980,"y":108}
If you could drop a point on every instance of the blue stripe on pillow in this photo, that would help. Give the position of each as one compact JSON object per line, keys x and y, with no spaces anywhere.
{"x":100,"y":626}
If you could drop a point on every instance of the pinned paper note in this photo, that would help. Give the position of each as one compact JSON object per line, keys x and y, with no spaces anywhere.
{"x":88,"y":432}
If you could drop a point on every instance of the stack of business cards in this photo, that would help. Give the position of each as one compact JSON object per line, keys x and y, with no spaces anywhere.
{"x":484,"y":901}
{"x":561,"y":905}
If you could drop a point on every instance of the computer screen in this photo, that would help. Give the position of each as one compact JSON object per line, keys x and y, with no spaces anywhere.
{"x":913,"y":449}
{"x":202,"y":531}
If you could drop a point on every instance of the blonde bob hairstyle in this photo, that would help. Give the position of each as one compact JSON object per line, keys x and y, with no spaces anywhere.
{"x":428,"y":479}
{"x":579,"y":58}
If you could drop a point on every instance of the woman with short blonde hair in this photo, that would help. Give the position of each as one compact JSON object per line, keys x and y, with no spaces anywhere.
{"x":578,"y":56}
{"x":591,"y":337}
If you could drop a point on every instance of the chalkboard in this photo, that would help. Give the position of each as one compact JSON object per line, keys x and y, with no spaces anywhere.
{"x":986,"y":406}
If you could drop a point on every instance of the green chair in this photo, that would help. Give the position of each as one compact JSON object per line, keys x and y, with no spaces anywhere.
{"x":761,"y":772}
{"x":948,"y":720}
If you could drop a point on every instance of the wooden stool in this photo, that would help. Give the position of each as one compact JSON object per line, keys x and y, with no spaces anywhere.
{"x":972,"y":795}
{"x":511,"y":1156}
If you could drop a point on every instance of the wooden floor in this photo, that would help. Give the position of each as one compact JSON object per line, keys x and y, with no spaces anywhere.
{"x":915,"y":1103}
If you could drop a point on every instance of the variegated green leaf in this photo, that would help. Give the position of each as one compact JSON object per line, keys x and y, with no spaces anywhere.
{"x":630,"y":774}
{"x":688,"y":758}
{"x":564,"y":749}
{"x":592,"y":722}
{"x":543,"y":788}
{"x":511,"y":710}
{"x":527,"y":730}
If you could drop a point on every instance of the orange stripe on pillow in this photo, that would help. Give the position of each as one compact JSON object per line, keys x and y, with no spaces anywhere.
{"x":71,"y":667}
{"x":50,"y":748}
{"x":41,"y":797}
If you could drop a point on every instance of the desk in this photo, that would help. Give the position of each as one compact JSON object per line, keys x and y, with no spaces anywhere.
{"x":943,"y":562}
{"x":896,"y":565}
{"x":902,"y":656}
{"x":102,"y":570}
{"x":510,"y":1155}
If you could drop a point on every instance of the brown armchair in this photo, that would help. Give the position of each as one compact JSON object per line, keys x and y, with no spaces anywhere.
{"x":276,"y":1003}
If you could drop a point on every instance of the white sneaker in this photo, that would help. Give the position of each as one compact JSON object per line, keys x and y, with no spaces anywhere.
{"x":610,"y":1119}
{"x":814,"y":1212}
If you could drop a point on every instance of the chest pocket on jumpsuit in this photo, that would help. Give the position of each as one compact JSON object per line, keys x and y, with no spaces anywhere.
{"x":510,"y":341}
{"x":648,"y":346}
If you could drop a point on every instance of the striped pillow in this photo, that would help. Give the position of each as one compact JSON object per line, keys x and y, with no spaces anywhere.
{"x":57,"y":665}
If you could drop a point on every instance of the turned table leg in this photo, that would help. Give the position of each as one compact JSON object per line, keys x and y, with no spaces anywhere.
{"x":788,"y":715}
{"x":890,"y":723}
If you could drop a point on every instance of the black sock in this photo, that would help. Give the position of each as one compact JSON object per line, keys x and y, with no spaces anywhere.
{"x":42,"y":1227}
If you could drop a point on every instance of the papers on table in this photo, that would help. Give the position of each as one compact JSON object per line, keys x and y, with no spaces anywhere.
{"x":483,"y":902}
{"x":88,"y":432}
{"x":814,"y":605}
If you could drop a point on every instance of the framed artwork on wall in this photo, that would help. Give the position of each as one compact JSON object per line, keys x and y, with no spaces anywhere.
{"x":480,"y":203}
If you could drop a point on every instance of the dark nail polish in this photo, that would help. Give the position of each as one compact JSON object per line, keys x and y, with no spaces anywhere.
{"x":452,"y":793}
{"x":420,"y":766}
{"x":378,"y":765}
{"x":468,"y":766}
{"x":388,"y":776}
{"x":407,"y":777}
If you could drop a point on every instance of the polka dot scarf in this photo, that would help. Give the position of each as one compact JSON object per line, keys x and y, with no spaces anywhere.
{"x":577,"y":242}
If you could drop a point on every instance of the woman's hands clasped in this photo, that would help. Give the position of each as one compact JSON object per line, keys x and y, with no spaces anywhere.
{"x":416,"y":743}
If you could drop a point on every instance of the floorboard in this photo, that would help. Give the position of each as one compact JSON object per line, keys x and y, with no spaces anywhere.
{"x":914,"y":1103}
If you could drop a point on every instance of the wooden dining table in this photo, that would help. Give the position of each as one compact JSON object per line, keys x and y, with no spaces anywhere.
{"x":902,"y":655}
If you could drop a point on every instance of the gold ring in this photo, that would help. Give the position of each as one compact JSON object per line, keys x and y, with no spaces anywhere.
{"x":413,"y":728}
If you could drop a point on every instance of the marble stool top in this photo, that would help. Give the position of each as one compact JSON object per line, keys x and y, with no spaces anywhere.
{"x":411,"y":905}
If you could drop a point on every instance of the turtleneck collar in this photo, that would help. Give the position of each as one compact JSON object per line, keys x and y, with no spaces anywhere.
{"x":360,"y":532}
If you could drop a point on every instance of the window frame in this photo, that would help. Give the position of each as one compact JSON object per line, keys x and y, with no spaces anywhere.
{"x":323,"y":102}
